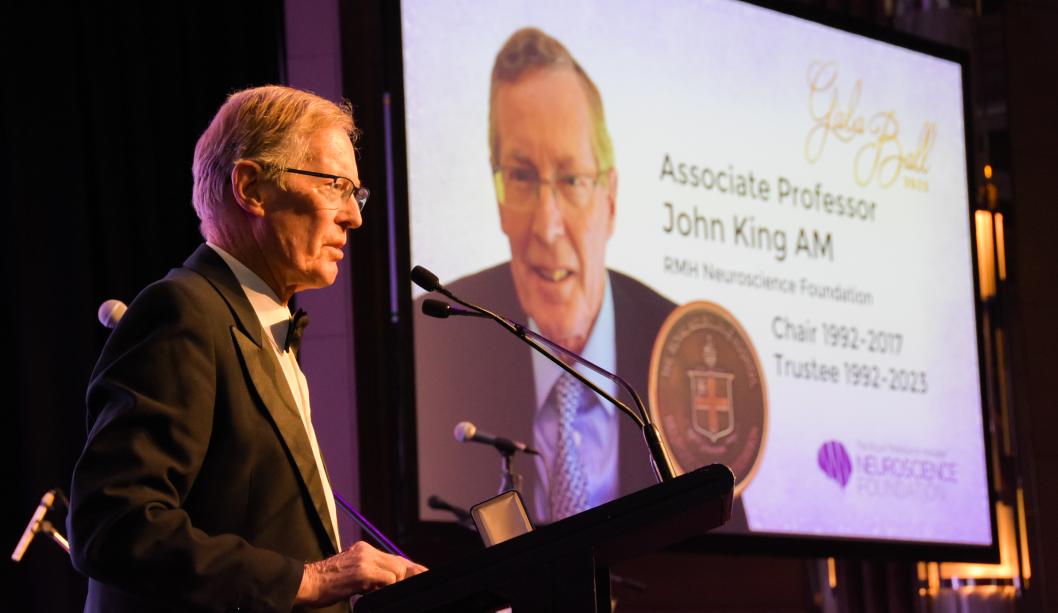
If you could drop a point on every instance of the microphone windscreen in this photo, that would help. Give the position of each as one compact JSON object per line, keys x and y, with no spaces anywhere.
{"x":111,"y":312}
{"x":436,"y":308}
{"x":465,"y":431}
{"x":425,"y":279}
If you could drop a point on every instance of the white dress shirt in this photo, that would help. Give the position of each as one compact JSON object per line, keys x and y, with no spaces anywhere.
{"x":275,"y":319}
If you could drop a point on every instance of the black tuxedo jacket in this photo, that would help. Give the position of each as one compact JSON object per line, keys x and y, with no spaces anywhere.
{"x":472,"y":370}
{"x":197,"y":489}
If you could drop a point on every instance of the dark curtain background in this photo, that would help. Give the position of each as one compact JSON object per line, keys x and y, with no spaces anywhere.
{"x":101,"y":107}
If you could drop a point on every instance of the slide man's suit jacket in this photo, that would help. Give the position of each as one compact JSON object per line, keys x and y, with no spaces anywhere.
{"x":197,"y":489}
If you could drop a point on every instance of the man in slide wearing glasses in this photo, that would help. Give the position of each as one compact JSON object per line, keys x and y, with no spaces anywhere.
{"x":556,"y":188}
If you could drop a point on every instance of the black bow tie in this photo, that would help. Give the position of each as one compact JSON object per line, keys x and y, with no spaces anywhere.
{"x":294,"y":331}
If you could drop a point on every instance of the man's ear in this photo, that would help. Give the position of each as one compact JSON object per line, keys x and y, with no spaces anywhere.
{"x":497,"y":184}
{"x":246,"y":183}
{"x":611,"y":199}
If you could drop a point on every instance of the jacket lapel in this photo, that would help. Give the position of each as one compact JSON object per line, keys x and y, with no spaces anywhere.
{"x":267,"y":378}
{"x":634,"y":332}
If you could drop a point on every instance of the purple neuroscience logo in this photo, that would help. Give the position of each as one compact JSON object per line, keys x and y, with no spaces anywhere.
{"x":835,"y":462}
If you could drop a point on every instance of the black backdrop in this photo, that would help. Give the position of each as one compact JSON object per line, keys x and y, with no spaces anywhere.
{"x":101,"y":106}
{"x":99,"y":109}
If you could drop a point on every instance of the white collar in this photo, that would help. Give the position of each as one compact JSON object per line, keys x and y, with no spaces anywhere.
{"x":273,"y":315}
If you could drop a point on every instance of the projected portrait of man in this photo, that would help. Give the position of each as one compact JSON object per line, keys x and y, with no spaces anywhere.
{"x":556,"y":189}
{"x":556,"y":184}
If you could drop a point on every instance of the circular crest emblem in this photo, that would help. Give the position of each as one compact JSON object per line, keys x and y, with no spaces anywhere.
{"x":707,"y":391}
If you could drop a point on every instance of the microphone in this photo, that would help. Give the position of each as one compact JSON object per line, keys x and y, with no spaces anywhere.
{"x":467,"y":432}
{"x":436,"y":502}
{"x":442,"y":310}
{"x":34,"y":525}
{"x":427,"y":280}
{"x":111,"y":312}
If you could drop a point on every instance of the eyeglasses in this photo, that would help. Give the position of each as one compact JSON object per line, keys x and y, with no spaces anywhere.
{"x":343,"y":186}
{"x":519,"y":188}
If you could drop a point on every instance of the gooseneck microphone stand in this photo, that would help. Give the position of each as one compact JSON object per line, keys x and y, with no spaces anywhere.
{"x":467,"y":432}
{"x":509,"y":480}
{"x":38,"y":523}
{"x":548,"y":348}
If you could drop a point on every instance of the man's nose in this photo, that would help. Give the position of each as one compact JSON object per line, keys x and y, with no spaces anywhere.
{"x":349,"y":216}
{"x":548,"y":223}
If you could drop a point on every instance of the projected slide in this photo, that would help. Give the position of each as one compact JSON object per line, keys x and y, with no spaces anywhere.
{"x":762,"y":223}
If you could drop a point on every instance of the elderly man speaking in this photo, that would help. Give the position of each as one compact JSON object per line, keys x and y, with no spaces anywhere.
{"x":201,"y":485}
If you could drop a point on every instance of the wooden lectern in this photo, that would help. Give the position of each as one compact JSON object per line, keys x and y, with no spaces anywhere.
{"x":564,"y":566}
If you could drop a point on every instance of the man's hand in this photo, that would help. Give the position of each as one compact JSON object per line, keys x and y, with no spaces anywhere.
{"x":360,"y":568}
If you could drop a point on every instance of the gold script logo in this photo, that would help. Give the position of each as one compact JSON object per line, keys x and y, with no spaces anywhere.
{"x":880,"y":158}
